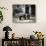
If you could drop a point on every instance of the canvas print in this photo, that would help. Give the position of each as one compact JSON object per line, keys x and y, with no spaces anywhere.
{"x":24,"y":13}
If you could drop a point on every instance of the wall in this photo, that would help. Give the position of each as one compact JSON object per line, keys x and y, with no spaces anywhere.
{"x":24,"y":29}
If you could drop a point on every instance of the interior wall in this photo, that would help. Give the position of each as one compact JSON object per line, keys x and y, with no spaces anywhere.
{"x":23,"y":29}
